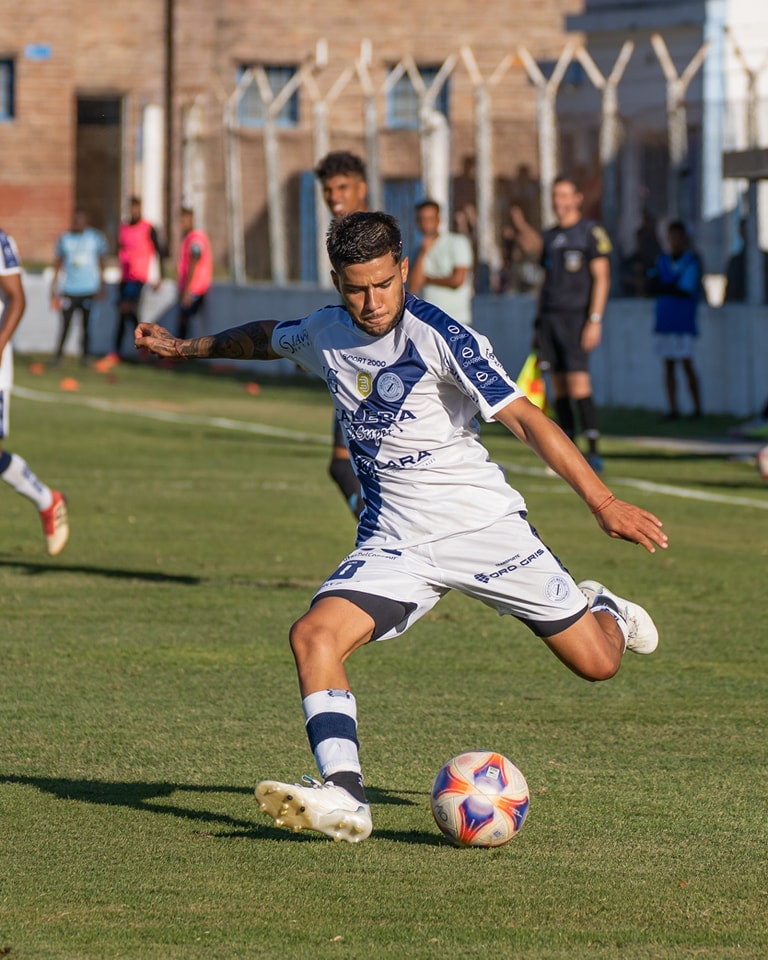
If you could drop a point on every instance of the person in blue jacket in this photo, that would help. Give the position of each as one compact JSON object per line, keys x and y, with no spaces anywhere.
{"x":676,"y":281}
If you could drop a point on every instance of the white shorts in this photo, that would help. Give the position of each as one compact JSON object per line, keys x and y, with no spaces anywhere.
{"x":5,"y":412}
{"x":674,"y":346}
{"x":506,"y":566}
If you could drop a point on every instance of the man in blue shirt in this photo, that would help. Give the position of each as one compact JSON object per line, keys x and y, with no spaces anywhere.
{"x":80,"y":254}
{"x":676,"y":282}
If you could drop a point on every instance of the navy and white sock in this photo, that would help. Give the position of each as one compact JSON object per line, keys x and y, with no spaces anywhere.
{"x":331,"y":724}
{"x":610,"y":606}
{"x":15,"y":471}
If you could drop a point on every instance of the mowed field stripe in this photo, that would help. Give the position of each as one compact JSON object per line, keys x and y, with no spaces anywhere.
{"x":245,"y":426}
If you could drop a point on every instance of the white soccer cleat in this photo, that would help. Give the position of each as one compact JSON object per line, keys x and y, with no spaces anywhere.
{"x":642,"y":635}
{"x":55,"y":522}
{"x":312,"y":805}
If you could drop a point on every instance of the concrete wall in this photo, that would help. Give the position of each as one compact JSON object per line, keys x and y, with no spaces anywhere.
{"x":731,"y":353}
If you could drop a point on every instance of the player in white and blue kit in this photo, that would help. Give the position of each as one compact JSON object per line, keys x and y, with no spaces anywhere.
{"x":407,"y":382}
{"x":14,"y":470}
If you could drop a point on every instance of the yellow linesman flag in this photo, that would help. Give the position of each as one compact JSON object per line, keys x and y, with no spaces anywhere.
{"x":531,"y":382}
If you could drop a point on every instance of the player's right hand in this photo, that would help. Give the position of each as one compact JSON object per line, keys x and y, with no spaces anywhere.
{"x":156,"y":339}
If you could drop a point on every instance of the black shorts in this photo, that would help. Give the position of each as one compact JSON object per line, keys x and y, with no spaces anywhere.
{"x":130,"y":291}
{"x":559,"y":340}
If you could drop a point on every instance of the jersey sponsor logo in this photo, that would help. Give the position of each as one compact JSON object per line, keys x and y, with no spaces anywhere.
{"x":332,"y":379}
{"x":557,"y":589}
{"x":293,"y":342}
{"x":370,"y":414}
{"x":510,"y":567}
{"x":364,"y":383}
{"x":390,"y":387}
{"x":400,"y":463}
{"x":368,"y":361}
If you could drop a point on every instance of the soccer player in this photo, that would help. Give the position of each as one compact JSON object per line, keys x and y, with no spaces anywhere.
{"x":344,"y":183}
{"x":577,"y":279}
{"x":50,"y":504}
{"x":407,"y":382}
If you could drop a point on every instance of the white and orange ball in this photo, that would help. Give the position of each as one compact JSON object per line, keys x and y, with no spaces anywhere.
{"x":479,"y":799}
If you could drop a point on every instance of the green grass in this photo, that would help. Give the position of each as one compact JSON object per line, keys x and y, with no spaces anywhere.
{"x":146,"y":685}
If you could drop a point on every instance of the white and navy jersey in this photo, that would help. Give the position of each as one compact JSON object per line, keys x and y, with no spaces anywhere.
{"x":407,"y":404}
{"x":9,"y":264}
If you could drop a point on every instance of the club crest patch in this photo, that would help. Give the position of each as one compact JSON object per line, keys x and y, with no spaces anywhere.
{"x":390,"y":387}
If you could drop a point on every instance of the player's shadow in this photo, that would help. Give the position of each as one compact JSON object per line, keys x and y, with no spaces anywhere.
{"x":150,"y":797}
{"x":36,"y":568}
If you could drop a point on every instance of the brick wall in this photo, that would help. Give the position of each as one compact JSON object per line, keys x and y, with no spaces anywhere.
{"x":117,"y":48}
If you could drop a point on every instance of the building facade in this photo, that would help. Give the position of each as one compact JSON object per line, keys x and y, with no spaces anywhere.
{"x":103,"y":100}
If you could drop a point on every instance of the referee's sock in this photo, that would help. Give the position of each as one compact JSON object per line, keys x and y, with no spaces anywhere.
{"x":589,"y":422}
{"x":564,"y":414}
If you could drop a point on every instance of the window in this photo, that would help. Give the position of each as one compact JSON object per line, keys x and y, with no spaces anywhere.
{"x":7,"y":111}
{"x":403,"y":100}
{"x":252,"y":110}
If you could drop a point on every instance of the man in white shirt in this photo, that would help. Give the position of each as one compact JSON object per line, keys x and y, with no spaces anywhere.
{"x":407,"y":383}
{"x":442,"y":269}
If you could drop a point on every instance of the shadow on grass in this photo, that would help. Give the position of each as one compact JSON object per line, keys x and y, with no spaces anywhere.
{"x":36,"y":569}
{"x":149,"y":796}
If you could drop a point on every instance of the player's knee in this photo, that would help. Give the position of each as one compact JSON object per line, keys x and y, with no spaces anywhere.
{"x":307,"y":638}
{"x":603,"y":668}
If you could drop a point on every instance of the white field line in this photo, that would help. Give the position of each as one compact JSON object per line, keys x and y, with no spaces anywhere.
{"x":224,"y":423}
{"x":167,"y":416}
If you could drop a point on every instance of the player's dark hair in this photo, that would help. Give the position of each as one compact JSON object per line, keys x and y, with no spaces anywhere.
{"x":362,"y":237}
{"x":564,"y":178}
{"x":340,"y":163}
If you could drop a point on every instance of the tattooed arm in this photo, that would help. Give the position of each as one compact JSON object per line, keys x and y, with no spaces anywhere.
{"x":251,"y":341}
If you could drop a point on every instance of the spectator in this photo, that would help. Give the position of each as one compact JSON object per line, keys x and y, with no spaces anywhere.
{"x":80,"y":254}
{"x":140,"y":254}
{"x":676,"y":283}
{"x":194,"y":270}
{"x":442,"y":269}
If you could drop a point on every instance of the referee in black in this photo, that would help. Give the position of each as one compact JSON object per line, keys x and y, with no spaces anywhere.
{"x":575,"y":255}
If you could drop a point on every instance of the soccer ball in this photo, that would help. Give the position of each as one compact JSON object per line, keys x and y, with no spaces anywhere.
{"x":479,"y":799}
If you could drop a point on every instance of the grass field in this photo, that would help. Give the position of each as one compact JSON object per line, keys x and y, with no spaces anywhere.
{"x":146,"y":685}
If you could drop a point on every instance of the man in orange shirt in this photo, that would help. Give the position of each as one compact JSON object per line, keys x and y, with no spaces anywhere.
{"x":139,"y":253}
{"x":194,"y":270}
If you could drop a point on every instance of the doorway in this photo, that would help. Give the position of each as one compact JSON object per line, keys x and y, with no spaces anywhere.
{"x":98,"y":153}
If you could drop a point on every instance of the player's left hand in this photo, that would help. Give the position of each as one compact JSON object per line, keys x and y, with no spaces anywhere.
{"x":625,"y":521}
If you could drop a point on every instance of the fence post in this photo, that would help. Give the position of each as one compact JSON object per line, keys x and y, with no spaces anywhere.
{"x":371,"y":124}
{"x":546,"y":121}
{"x":677,"y":120}
{"x":487,"y":248}
{"x":610,"y":138}
{"x":192,"y":160}
{"x":322,"y":144}
{"x":753,"y":255}
{"x":233,"y":183}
